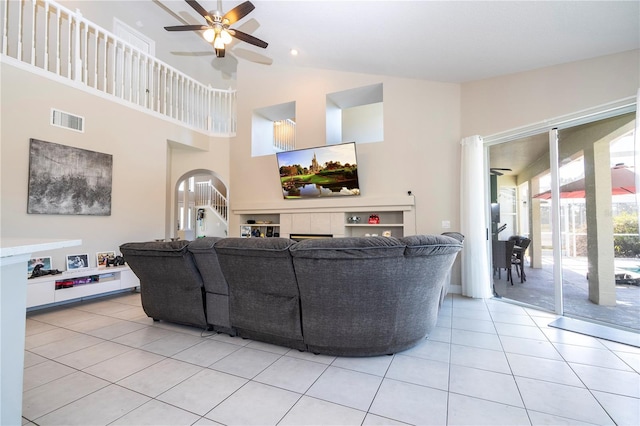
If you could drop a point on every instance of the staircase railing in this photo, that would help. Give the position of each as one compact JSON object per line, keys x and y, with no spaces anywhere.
{"x":48,"y":36}
{"x":208,"y":195}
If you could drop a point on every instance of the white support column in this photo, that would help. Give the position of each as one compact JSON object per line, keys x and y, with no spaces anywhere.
{"x":535,"y":225}
{"x":600,"y":252}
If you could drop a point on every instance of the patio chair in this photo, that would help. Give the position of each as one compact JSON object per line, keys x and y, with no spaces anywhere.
{"x":502,"y":252}
{"x":517,"y":259}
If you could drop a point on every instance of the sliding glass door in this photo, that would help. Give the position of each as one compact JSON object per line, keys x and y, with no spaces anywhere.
{"x":571,"y":194}
{"x":599,"y":222}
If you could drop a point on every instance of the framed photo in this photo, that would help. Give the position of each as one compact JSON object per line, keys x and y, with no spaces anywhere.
{"x":77,"y":261}
{"x":102,"y":256}
{"x":44,"y":262}
{"x":245,"y":231}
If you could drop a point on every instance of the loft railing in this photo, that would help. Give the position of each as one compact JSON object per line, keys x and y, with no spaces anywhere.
{"x":208,"y":195}
{"x":284,"y":135}
{"x":48,"y":36}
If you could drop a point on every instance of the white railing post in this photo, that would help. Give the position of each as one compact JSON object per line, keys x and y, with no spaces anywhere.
{"x":77,"y":57}
{"x":58,"y":24}
{"x":33,"y":36}
{"x":5,"y":33}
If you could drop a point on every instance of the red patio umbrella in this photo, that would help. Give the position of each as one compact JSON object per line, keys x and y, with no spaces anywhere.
{"x":623,"y":181}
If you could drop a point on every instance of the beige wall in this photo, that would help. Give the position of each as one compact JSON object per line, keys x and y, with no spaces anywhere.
{"x":423,"y":124}
{"x":137,"y":141}
{"x":508,"y":102}
{"x":420,"y":151}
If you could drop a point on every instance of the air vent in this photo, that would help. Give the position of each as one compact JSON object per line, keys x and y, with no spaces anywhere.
{"x":66,"y":120}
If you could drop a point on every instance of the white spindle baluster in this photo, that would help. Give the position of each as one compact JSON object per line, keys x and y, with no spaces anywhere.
{"x":130,"y":73}
{"x":58,"y":47}
{"x":114,"y":70}
{"x":45,"y":64}
{"x":33,"y":36}
{"x":5,"y":33}
{"x":96,"y":42}
{"x":69,"y":47}
{"x":104,"y":64}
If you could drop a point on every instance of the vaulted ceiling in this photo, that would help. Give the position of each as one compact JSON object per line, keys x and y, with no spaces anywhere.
{"x":446,"y":41}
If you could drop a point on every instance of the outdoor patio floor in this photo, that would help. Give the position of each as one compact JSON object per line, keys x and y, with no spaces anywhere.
{"x":538,"y":291}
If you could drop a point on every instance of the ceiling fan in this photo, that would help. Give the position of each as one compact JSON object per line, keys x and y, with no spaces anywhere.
{"x":217,"y":31}
{"x":497,"y":171}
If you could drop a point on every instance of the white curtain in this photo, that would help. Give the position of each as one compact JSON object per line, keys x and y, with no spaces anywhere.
{"x":475,"y":267}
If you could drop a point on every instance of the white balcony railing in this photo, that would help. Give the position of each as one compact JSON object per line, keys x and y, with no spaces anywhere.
{"x":48,"y":36}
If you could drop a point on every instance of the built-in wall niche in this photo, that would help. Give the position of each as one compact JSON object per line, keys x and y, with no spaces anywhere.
{"x":273,"y":129}
{"x":355,"y":115}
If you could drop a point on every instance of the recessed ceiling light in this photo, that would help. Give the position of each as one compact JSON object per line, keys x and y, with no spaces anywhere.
{"x":294,"y":52}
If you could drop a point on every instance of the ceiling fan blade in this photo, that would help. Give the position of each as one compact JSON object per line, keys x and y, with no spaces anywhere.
{"x":201,"y":10}
{"x":253,"y":56}
{"x":186,"y":28}
{"x":248,"y":38}
{"x":238,"y":12}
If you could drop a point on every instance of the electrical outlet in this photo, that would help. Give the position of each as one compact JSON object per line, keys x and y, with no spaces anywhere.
{"x":446,"y":224}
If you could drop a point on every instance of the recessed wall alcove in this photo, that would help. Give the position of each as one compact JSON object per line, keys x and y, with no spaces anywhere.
{"x":355,"y":115}
{"x":273,"y":129}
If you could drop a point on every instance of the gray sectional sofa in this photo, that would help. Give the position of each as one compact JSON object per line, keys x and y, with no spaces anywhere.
{"x":353,"y":296}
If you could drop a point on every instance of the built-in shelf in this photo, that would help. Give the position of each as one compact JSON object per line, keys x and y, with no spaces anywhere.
{"x":373,"y":225}
{"x":396,"y":214}
{"x":70,"y":285}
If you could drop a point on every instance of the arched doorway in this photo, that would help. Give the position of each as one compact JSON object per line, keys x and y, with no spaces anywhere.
{"x":201,"y":208}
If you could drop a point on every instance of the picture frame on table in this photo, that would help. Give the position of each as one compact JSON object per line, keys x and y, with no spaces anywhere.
{"x":245,"y":231}
{"x":45,"y":261}
{"x":103,"y":256}
{"x":77,"y":261}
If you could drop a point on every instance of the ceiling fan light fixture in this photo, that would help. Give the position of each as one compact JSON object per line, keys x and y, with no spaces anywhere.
{"x":209,"y":34}
{"x":217,"y":31}
{"x":226,"y":37}
{"x":218,"y":43}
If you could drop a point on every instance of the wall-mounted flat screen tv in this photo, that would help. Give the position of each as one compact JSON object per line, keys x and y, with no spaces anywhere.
{"x":325,"y":171}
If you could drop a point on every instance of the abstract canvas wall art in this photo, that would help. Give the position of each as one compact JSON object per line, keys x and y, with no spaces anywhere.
{"x":68,"y":180}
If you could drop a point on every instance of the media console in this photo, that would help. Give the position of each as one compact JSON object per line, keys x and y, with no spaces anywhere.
{"x":72,"y":285}
{"x":396,"y":218}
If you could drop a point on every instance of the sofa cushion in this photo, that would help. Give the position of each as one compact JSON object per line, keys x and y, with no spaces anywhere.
{"x":207,"y":261}
{"x":265,"y":247}
{"x":215,"y":285}
{"x":156,"y":248}
{"x":352,"y":294}
{"x":348,"y":248}
{"x":263,"y":290}
{"x":171,"y":287}
{"x":429,"y":245}
{"x":430,"y":258}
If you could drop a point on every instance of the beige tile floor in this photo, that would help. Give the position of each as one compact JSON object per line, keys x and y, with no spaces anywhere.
{"x":103,"y":362}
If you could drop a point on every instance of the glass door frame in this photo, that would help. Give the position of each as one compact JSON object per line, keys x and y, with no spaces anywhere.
{"x":552,"y":126}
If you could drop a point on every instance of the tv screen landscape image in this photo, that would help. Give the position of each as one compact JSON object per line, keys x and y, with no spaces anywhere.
{"x":325,"y":171}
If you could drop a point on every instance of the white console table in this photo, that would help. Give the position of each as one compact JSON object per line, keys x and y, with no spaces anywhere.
{"x":14,"y":255}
